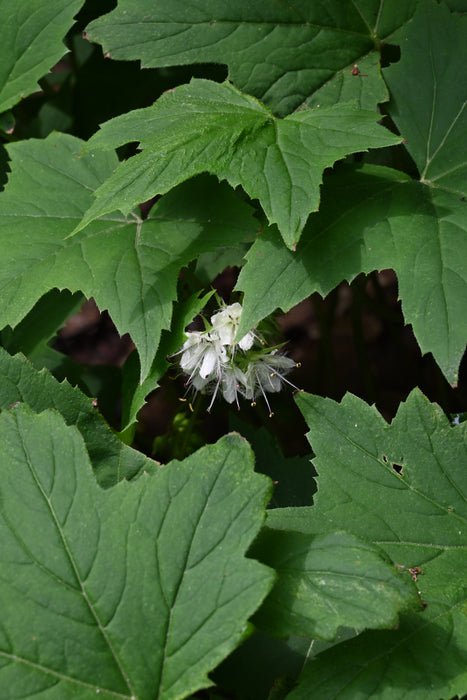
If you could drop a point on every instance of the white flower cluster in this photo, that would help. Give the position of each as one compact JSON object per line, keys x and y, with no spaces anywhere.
{"x":215,"y":363}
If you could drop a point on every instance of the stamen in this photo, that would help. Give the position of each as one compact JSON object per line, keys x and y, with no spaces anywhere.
{"x":237,"y":386}
{"x":214,"y":394}
{"x":283,"y":378}
{"x":264,"y":395}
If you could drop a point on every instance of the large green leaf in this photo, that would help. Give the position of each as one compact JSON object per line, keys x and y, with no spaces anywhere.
{"x":428,"y":101}
{"x":134,"y":592}
{"x":419,"y":230}
{"x":383,"y":220}
{"x":280,"y":52}
{"x":403,"y":487}
{"x":129,"y":266}
{"x":330,"y":581}
{"x":31,"y":40}
{"x":215,"y":127}
{"x":111,"y":459}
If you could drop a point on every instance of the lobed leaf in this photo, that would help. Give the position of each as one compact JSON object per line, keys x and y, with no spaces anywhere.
{"x":129,"y":266}
{"x":384,"y":220}
{"x":209,"y":126}
{"x":403,"y":487}
{"x":282,"y":53}
{"x":132,"y":592}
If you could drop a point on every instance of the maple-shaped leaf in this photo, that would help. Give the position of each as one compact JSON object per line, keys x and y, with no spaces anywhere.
{"x":133,"y":592}
{"x":402,"y":487}
{"x":207,"y":126}
{"x":129,"y":266}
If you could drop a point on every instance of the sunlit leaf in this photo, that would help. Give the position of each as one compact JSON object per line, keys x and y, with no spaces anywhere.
{"x":280,"y":52}
{"x":215,"y":127}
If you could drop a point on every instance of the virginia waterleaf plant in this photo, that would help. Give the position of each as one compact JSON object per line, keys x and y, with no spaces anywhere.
{"x":147,"y":146}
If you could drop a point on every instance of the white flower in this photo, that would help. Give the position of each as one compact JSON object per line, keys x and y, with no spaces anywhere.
{"x":202,"y":355}
{"x":232,"y":380}
{"x":262,"y":375}
{"x":247,"y":341}
{"x":226,"y":322}
{"x":213,"y":364}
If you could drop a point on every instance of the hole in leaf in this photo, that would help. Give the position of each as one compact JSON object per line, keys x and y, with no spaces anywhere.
{"x":398,"y":468}
{"x":385,"y":459}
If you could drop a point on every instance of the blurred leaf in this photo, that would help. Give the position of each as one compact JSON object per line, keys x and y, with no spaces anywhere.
{"x":31,"y":37}
{"x":280,"y":52}
{"x":252,"y":670}
{"x":137,"y":590}
{"x":403,"y":487}
{"x":209,"y":265}
{"x":206,"y":126}
{"x":7,"y":121}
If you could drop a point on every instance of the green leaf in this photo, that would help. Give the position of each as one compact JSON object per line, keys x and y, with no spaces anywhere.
{"x":129,"y":267}
{"x":134,"y":393}
{"x":383,"y":220}
{"x":134,"y":592}
{"x":111,"y":459}
{"x":329,"y":581}
{"x":428,"y":101}
{"x":31,"y":37}
{"x":430,"y":111}
{"x":7,"y":122}
{"x":418,"y":660}
{"x":42,"y":323}
{"x":259,"y":663}
{"x":293,"y":477}
{"x":210,"y":126}
{"x":361,"y":82}
{"x":403,"y":487}
{"x":280,"y":52}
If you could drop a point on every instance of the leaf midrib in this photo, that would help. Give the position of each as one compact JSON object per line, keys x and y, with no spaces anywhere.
{"x":75,"y":569}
